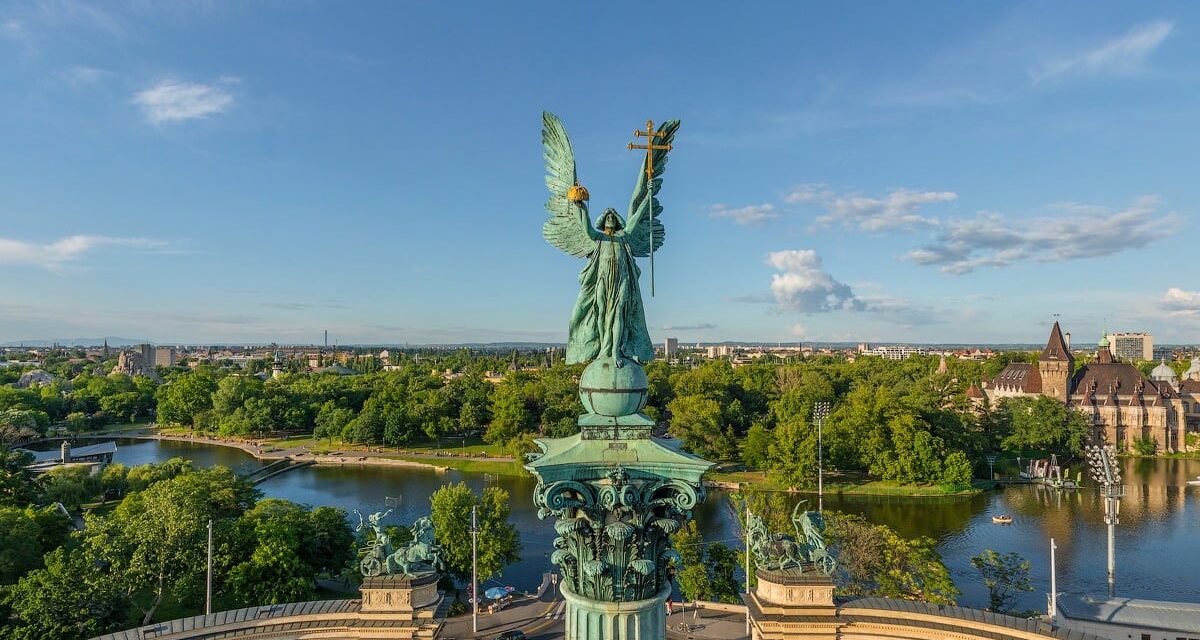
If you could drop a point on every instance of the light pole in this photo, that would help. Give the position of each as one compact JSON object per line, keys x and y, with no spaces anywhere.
{"x":208,"y":577}
{"x":746,"y":530}
{"x":1102,"y":462}
{"x":474,"y":571}
{"x":1053,"y":582}
{"x":820,"y":412}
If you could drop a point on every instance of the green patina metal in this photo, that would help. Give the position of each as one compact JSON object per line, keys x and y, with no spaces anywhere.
{"x":608,"y":318}
{"x":805,"y":552}
{"x":420,"y":556}
{"x":617,"y":493}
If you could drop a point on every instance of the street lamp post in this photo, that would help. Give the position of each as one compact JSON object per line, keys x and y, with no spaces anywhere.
{"x":474,"y":571}
{"x":820,"y":412}
{"x":1102,"y":462}
{"x":208,"y":576}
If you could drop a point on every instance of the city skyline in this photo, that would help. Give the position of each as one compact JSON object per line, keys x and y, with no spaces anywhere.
{"x":906,"y":174}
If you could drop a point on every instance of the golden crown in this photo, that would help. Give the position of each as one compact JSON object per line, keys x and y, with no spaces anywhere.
{"x":577,"y":194}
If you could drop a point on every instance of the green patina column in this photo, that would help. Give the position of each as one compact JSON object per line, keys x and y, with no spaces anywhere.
{"x":616,"y":493}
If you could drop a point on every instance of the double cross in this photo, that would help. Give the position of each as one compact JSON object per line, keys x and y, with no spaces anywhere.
{"x":650,"y":148}
{"x":650,"y":134}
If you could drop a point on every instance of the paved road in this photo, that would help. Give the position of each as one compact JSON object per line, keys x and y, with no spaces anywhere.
{"x":539,"y":617}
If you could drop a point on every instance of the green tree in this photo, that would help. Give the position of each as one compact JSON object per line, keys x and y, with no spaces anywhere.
{"x":499,"y":544}
{"x":700,"y":423}
{"x":18,"y":486}
{"x":185,"y":397}
{"x":1005,"y":575}
{"x":72,"y":486}
{"x":756,"y":446}
{"x":26,"y":534}
{"x":156,"y":539}
{"x":957,"y":472}
{"x":70,"y":598}
{"x":792,"y":453}
{"x":510,"y":415}
{"x":875,"y":561}
{"x":1044,"y":423}
{"x":332,"y":420}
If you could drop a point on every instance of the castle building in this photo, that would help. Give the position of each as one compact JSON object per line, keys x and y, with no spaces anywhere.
{"x":1122,"y":404}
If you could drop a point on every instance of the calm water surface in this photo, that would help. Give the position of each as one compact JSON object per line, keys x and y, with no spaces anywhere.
{"x":1158,"y":540}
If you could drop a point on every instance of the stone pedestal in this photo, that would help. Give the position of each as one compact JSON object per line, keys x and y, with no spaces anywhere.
{"x":784,"y":598}
{"x":406,"y":596}
{"x":589,"y":619}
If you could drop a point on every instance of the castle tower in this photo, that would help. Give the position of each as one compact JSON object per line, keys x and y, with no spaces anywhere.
{"x":1056,"y":365}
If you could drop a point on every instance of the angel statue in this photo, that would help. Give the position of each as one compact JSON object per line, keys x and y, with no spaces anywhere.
{"x":608,"y":320}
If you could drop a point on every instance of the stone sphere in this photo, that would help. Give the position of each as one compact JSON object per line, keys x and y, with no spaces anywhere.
{"x":608,"y":390}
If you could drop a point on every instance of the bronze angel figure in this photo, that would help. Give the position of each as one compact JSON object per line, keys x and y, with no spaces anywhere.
{"x":608,"y":320}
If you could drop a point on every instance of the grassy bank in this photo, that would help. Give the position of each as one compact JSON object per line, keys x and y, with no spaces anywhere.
{"x":467,"y":465}
{"x":841,"y":485}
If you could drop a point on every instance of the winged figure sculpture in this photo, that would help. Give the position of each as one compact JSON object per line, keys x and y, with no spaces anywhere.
{"x":608,"y":320}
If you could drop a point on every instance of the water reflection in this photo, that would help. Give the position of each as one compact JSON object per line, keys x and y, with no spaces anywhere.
{"x":1158,"y":540}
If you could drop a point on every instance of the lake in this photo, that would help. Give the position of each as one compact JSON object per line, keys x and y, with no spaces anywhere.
{"x":1158,"y":540}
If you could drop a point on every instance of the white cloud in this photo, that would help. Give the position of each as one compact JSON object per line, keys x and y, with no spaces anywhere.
{"x":55,"y":255}
{"x":799,"y":331}
{"x":1079,"y":231}
{"x":1180,"y":302}
{"x":802,"y":286}
{"x":81,"y":75}
{"x":1122,"y":55}
{"x":172,"y":101}
{"x":749,"y":215}
{"x":900,"y":209}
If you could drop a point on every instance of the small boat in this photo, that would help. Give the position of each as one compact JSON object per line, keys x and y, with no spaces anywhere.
{"x":1002,"y":519}
{"x":1195,"y":482}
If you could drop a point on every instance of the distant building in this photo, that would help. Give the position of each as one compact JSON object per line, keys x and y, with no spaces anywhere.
{"x":164,"y":357}
{"x":718,"y":351}
{"x":1122,"y":405}
{"x":146,"y":351}
{"x":670,"y":347}
{"x":890,"y":352}
{"x":1131,"y":347}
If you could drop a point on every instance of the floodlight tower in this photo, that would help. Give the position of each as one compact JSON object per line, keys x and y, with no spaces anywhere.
{"x":820,"y":412}
{"x":1102,"y":462}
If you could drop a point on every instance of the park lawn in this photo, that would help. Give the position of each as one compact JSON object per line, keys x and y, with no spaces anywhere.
{"x":846,"y":485}
{"x":467,"y":465}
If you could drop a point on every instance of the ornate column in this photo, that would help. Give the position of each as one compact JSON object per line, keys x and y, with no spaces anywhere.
{"x":617,"y":495}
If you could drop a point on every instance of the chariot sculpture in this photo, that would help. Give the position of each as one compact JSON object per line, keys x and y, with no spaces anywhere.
{"x":803,"y":552}
{"x":419,"y":556}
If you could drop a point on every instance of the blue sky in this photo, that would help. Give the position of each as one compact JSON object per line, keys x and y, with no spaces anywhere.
{"x":922,"y":172}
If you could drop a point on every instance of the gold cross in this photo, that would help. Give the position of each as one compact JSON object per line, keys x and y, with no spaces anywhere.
{"x":650,"y":148}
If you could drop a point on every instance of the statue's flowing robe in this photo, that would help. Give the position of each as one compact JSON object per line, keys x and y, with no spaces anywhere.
{"x":608,"y":319}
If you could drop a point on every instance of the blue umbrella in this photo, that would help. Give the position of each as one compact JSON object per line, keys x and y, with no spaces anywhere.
{"x":495,"y":593}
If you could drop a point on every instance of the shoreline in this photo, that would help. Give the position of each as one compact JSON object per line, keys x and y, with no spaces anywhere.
{"x":272,"y":453}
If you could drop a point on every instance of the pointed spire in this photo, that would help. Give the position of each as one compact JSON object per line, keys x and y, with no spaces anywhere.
{"x":1056,"y":346}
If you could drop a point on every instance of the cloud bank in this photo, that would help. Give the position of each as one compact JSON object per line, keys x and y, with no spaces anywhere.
{"x":900,"y":209}
{"x":55,"y":255}
{"x":1079,"y":231}
{"x":175,"y":101}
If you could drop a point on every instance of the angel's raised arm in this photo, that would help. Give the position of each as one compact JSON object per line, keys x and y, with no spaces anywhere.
{"x":642,"y":219}
{"x":568,"y":227}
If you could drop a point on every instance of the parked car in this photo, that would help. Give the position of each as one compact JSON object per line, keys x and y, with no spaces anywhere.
{"x":515,"y":634}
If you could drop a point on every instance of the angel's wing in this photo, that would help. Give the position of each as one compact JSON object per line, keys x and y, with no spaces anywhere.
{"x":567,"y":227}
{"x":644,"y":208}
